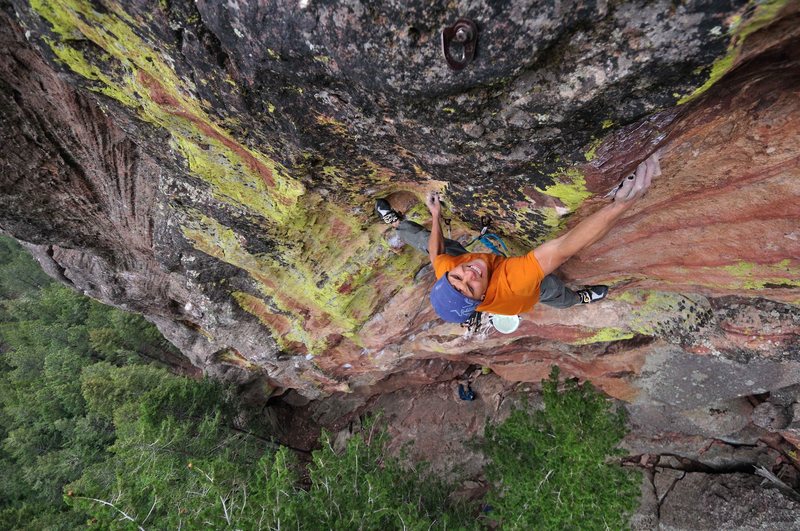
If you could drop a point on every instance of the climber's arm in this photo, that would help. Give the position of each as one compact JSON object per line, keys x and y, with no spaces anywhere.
{"x":552,"y":254}
{"x":555,"y":252}
{"x":436,"y":239}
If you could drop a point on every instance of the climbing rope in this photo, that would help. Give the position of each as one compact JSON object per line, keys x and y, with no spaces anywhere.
{"x":490,"y":240}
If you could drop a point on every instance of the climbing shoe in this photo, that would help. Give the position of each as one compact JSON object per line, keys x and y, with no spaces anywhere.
{"x":592,"y":293}
{"x":384,"y":210}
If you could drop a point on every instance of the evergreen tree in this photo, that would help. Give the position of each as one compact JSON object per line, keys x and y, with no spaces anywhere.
{"x":19,"y":273}
{"x":48,"y":336}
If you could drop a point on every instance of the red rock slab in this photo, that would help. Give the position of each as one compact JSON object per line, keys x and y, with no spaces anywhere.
{"x":723,"y":216}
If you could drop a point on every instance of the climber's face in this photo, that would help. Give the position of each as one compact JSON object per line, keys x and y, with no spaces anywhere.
{"x":470,"y":278}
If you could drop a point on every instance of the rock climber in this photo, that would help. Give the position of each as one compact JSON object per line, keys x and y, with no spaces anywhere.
{"x":482,"y":282}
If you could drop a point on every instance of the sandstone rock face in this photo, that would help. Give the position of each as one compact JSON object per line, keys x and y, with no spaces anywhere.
{"x":213,"y":166}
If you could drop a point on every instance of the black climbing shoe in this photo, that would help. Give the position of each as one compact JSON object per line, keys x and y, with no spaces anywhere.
{"x":384,"y":210}
{"x":592,"y":293}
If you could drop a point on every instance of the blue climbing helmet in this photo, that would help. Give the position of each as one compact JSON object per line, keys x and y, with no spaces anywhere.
{"x":449,"y":304}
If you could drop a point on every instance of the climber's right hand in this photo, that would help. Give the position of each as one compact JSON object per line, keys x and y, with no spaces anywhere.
{"x":434,"y":204}
{"x":636,"y":184}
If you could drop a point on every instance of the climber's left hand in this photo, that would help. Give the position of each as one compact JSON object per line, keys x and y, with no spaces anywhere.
{"x":635,"y":185}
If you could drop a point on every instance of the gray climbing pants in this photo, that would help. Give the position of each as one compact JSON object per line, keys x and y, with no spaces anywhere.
{"x":552,"y":291}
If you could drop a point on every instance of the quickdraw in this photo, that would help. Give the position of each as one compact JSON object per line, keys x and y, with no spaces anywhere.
{"x":472,"y":324}
{"x":492,"y":241}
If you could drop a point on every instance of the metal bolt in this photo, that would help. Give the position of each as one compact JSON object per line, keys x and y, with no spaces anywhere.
{"x":463,"y":35}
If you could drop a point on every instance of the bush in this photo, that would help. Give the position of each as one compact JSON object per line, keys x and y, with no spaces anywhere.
{"x":550,"y":468}
{"x":364,"y":488}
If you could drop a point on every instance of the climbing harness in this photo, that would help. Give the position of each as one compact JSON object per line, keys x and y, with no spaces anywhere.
{"x":473,"y":323}
{"x":476,"y":327}
{"x":492,"y":241}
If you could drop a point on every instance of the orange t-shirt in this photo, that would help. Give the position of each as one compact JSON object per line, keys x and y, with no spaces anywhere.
{"x":513,"y":282}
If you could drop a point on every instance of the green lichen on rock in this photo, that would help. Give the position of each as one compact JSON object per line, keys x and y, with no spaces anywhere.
{"x":270,"y":274}
{"x":606,"y":335}
{"x":591,"y":153}
{"x":286,"y":329}
{"x":569,"y":188}
{"x":665,"y":314}
{"x":338,"y":304}
{"x":133,"y":72}
{"x":111,"y":31}
{"x":306,"y":229}
{"x":335,"y":125}
{"x":764,"y":12}
{"x":743,"y":276}
{"x":751,"y":276}
{"x":225,"y":170}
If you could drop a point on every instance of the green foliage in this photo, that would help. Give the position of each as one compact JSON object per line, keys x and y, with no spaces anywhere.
{"x":48,"y":436}
{"x":19,"y":273}
{"x":177,"y":456}
{"x":40,"y":516}
{"x":132,"y":445}
{"x":187,"y":474}
{"x":550,"y":468}
{"x":364,"y":488}
{"x":49,"y":433}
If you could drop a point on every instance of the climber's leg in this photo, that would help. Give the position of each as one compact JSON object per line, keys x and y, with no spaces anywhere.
{"x":417,"y":236}
{"x":554,"y":293}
